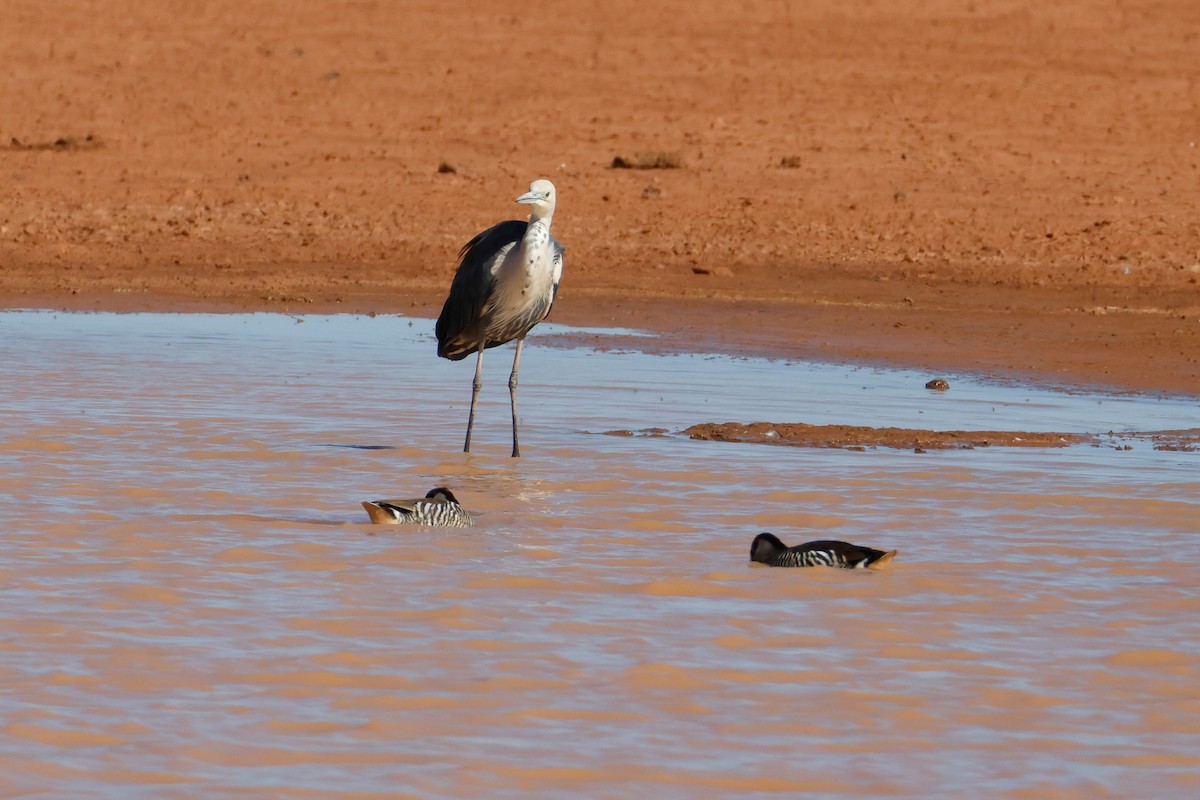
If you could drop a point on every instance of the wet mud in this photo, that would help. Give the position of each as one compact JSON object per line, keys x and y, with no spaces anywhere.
{"x":857,"y":437}
{"x":860,"y":437}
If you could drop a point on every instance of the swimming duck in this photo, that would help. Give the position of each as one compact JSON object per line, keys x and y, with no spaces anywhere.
{"x":438,"y":507}
{"x":825,"y":553}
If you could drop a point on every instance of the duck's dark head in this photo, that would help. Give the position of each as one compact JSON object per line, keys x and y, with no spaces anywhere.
{"x":765,"y":546}
{"x":441,"y":493}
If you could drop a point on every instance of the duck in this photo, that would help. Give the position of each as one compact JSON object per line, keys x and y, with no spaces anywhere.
{"x":768,"y":549}
{"x":438,"y":507}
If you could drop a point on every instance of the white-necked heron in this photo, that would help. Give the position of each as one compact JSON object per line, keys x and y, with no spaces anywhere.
{"x":767,"y":549}
{"x":438,"y":507}
{"x":506,"y":282}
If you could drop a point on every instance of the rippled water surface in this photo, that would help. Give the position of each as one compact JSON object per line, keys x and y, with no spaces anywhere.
{"x":193,"y":605}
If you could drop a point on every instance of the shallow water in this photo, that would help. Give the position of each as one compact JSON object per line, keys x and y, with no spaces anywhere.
{"x":194,"y":606}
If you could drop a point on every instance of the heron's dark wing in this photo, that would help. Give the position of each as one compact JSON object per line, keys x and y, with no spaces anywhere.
{"x":456,"y":328}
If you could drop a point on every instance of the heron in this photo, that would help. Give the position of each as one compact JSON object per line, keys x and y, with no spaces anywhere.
{"x":506,"y":282}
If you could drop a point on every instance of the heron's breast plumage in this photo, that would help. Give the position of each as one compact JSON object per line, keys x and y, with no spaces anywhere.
{"x":524,"y":289}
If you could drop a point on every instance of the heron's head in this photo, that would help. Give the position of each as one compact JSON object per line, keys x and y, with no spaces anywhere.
{"x":540,"y":196}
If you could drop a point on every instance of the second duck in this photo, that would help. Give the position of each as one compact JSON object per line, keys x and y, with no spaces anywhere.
{"x":768,"y":549}
{"x":438,"y":507}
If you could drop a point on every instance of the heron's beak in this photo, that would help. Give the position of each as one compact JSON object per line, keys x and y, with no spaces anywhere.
{"x":532,"y":197}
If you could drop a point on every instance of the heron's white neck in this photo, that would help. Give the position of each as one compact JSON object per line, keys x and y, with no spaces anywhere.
{"x":536,"y":251}
{"x":542,"y":215}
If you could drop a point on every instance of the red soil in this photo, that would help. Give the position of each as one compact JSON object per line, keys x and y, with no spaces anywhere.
{"x":998,"y":186}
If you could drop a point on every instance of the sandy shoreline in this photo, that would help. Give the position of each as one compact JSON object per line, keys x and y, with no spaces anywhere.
{"x":1010,"y":191}
{"x":1046,"y":340}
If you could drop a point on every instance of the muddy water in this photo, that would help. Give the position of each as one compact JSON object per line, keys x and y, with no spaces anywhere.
{"x":193,"y":605}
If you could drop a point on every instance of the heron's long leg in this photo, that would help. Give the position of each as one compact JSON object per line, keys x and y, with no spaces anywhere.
{"x":512,"y":391}
{"x":476,"y":385}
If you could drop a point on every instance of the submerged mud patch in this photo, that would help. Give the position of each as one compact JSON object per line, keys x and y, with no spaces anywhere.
{"x":1183,"y":441}
{"x":861,"y":437}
